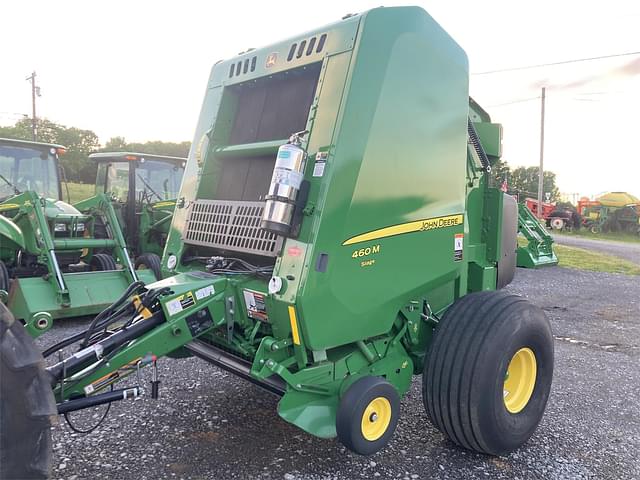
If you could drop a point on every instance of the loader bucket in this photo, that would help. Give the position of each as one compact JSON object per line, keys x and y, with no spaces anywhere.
{"x":36,"y":303}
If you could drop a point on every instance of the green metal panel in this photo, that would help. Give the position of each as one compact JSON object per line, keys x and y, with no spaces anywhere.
{"x":398,"y":157}
{"x":491,"y":137}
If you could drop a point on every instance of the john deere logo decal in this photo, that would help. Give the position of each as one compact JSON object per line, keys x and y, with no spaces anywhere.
{"x":409,"y":227}
{"x":272,"y":58}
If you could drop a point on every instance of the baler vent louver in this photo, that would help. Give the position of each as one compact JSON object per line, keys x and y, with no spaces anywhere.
{"x":230,"y":225}
{"x":248,"y":65}
{"x":307,"y":47}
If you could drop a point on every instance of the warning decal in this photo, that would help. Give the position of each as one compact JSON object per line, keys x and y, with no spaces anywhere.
{"x":458,"y":244}
{"x":256,"y":308}
{"x":180,"y":303}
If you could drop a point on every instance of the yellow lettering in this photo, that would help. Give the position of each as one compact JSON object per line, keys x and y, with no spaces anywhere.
{"x":366,"y":251}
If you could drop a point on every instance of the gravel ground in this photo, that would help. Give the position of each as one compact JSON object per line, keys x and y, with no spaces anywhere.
{"x":211,"y":425}
{"x":628,"y":251}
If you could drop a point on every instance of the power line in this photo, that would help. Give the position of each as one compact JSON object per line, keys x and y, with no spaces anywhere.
{"x":564,"y":62}
{"x":561,"y":95}
{"x":513,"y":102}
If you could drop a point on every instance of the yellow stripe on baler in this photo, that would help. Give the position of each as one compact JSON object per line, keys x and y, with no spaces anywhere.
{"x":294,"y":325}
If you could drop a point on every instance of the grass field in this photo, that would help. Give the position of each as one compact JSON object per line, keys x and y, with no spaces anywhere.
{"x":77,"y":191}
{"x":582,"y":259}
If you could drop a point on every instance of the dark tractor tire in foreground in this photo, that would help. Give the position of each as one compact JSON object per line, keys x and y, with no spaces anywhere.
{"x":27,"y":406}
{"x":101,"y":262}
{"x":488,"y":372}
{"x":149,"y":261}
{"x":367,"y":415}
{"x":4,"y":277}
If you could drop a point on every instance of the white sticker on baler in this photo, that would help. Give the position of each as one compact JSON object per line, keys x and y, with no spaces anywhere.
{"x":291,"y":178}
{"x":318,"y":168}
{"x":174,"y":306}
{"x":205,"y":292}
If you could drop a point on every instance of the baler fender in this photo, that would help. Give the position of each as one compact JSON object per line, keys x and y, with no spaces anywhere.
{"x":509,"y":243}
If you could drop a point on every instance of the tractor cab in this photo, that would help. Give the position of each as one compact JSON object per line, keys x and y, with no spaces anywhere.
{"x":33,"y":167}
{"x":143,"y":188}
{"x":29,"y":166}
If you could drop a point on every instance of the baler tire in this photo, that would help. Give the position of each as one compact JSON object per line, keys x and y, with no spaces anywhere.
{"x":101,"y":262}
{"x":27,"y":406}
{"x":356,"y":403}
{"x":150,"y":261}
{"x":464,"y":382}
{"x":4,"y":277}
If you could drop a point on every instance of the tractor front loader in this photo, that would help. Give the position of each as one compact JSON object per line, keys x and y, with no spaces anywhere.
{"x":48,"y":265}
{"x":335,"y":235}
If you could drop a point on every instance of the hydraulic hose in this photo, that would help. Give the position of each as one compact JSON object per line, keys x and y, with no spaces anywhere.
{"x":109,"y":311}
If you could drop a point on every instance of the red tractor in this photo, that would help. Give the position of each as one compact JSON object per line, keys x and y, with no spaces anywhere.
{"x":555,"y":217}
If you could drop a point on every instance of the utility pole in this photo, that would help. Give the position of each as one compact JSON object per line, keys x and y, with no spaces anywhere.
{"x":35,"y":90}
{"x":541,"y":170}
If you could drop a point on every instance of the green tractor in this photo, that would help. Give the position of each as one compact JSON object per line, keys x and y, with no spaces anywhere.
{"x":335,"y":236}
{"x":51,"y":263}
{"x":144,"y":189}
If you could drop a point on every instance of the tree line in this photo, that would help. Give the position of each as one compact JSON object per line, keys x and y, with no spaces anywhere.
{"x":524,"y":181}
{"x":80,"y":143}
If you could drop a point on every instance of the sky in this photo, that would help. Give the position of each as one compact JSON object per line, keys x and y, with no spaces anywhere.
{"x":138,"y":69}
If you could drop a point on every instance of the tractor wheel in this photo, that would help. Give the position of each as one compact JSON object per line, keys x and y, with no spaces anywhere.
{"x":27,"y":406}
{"x":557,"y":223}
{"x":101,"y":262}
{"x":488,"y":372}
{"x":149,"y":261}
{"x":4,"y":277}
{"x":367,"y":415}
{"x":595,"y":229}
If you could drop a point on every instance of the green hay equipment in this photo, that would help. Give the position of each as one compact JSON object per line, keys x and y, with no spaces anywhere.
{"x":334,"y":236}
{"x":144,"y":189}
{"x":539,"y":249}
{"x":49,"y":267}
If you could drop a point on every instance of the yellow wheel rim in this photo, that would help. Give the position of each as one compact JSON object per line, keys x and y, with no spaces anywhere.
{"x":376,"y":419}
{"x":520,"y":380}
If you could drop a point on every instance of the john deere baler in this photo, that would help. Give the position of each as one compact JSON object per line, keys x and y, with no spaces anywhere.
{"x":334,"y":236}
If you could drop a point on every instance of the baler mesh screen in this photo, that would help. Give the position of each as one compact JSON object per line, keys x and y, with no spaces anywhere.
{"x":275,"y":106}
{"x":230,"y":225}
